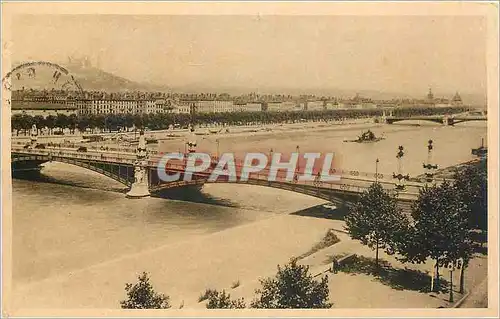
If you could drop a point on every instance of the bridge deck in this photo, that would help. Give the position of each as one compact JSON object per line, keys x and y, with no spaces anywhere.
{"x":352,"y":178}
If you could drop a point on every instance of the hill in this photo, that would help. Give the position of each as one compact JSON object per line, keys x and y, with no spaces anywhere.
{"x":90,"y":79}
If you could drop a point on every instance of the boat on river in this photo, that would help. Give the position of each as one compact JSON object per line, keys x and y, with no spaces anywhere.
{"x":367,"y":137}
{"x":151,"y":140}
{"x":215,"y":131}
{"x":173,"y":135}
{"x":481,"y":151}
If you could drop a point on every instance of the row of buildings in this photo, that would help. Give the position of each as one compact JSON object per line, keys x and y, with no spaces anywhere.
{"x":45,"y":105}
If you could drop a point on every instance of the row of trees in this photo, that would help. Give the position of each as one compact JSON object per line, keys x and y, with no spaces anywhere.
{"x":442,"y":224}
{"x":109,"y":122}
{"x":292,"y":287}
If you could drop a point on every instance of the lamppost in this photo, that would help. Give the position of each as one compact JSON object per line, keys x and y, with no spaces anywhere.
{"x":451,"y":266}
{"x":376,"y":170}
{"x":429,"y":167}
{"x":400,"y":186}
{"x":297,"y":168}
{"x":217,"y":154}
{"x":33,"y":135}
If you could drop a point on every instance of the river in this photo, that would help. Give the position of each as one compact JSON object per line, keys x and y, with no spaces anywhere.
{"x":71,"y":218}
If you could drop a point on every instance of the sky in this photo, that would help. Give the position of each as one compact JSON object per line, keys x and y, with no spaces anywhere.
{"x":405,"y":54}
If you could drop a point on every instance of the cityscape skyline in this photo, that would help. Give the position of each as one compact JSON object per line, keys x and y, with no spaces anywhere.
{"x":395,"y":55}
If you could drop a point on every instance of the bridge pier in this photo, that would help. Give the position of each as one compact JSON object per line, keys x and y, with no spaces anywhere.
{"x":448,"y":121}
{"x":140,"y":186}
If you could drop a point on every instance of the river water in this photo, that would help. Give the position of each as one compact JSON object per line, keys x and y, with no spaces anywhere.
{"x":70,"y":218}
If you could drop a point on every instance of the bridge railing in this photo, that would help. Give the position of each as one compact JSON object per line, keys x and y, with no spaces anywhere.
{"x":345,"y":174}
{"x":69,"y":146}
{"x":281,"y":179}
{"x":128,"y":157}
{"x":115,"y":158}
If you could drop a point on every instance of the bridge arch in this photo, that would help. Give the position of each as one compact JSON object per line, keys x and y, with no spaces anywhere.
{"x":456,"y":121}
{"x":123,"y":174}
{"x":338,"y":198}
{"x":391,"y":121}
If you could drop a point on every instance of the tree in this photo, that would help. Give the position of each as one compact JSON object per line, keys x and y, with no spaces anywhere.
{"x":292,"y":287}
{"x":375,"y":220}
{"x":221,"y":300}
{"x":72,"y":122}
{"x":62,"y":121}
{"x":440,"y":230}
{"x":50,"y":122}
{"x":138,"y":121}
{"x":83,"y":123}
{"x":26,"y":122}
{"x":16,"y":122}
{"x":472,"y":187}
{"x":39,"y":121}
{"x":142,"y":295}
{"x":129,"y":121}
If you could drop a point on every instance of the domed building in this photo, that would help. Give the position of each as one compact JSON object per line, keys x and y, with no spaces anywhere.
{"x":457,"y":100}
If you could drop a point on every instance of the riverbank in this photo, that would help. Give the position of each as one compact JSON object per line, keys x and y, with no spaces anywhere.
{"x":205,"y":131}
{"x":184,"y":269}
{"x":242,"y":254}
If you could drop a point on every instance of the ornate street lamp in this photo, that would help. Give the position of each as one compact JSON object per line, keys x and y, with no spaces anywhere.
{"x":429,"y":167}
{"x":141,"y":150}
{"x":217,"y":154}
{"x":33,"y":135}
{"x":400,"y":186}
{"x":376,"y":170}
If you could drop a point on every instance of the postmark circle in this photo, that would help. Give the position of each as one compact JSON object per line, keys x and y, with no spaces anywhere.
{"x":40,"y":75}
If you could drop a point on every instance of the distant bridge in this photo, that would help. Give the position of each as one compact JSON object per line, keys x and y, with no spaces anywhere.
{"x":442,"y":119}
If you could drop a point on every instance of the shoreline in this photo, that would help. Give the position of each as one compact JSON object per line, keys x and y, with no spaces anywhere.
{"x":202,"y":265}
{"x":184,"y":269}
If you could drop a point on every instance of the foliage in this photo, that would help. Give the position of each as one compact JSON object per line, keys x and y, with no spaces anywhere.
{"x":472,"y":185}
{"x":440,"y":231}
{"x":375,"y":220}
{"x":235,"y":284}
{"x":142,"y":295}
{"x":328,"y":240}
{"x":222,"y":300}
{"x":440,"y":225}
{"x":292,"y":287}
{"x":207,"y":294}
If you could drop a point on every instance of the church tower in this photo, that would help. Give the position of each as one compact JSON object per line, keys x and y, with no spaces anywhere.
{"x":430,"y":95}
{"x":457,"y":100}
